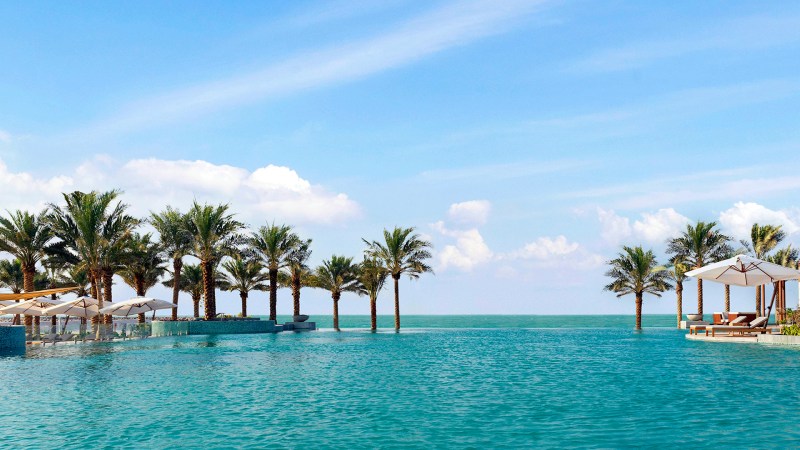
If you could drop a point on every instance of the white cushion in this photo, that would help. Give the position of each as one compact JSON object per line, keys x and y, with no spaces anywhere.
{"x":740,"y":319}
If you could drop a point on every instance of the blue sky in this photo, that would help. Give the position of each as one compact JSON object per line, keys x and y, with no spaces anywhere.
{"x":527,"y":139}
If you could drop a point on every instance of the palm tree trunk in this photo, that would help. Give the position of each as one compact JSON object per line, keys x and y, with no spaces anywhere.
{"x":108,"y":279}
{"x":140,"y":292}
{"x":53,"y":318}
{"x":208,"y":289}
{"x":679,"y":295}
{"x":96,"y":320}
{"x":373,"y":313}
{"x":727,"y":298}
{"x":296,"y":294}
{"x":638,"y":310}
{"x":196,"y":302}
{"x":177,"y":266}
{"x":396,"y":279}
{"x":758,"y":301}
{"x":335,"y":311}
{"x":243,"y":296}
{"x":700,"y":298}
{"x":273,"y":294}
{"x":27,"y":283}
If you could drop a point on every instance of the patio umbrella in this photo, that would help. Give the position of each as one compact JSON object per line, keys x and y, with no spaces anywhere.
{"x":79,"y":307}
{"x":136,"y":305}
{"x":743,"y":270}
{"x":32,"y":307}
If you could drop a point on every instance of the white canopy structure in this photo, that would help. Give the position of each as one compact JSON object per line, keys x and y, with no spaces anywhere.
{"x":743,"y":270}
{"x":79,"y":307}
{"x":32,"y":307}
{"x":136,"y":305}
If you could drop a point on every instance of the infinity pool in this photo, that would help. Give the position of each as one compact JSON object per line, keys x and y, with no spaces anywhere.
{"x":446,"y":387}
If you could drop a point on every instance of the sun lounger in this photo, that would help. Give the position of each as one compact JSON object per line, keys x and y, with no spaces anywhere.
{"x":49,"y":338}
{"x":756,"y":326}
{"x":740,"y":321}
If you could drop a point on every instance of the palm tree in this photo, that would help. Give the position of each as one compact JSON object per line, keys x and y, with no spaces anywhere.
{"x":145,"y":265}
{"x":274,"y":244}
{"x":80,"y":226}
{"x":12,"y":277}
{"x":27,"y":237}
{"x":372,"y":277}
{"x":191,"y":282}
{"x":297,"y":272}
{"x":244,"y":275}
{"x":176,"y":242}
{"x":115,"y":234}
{"x":337,"y":275}
{"x":697,"y":246}
{"x":402,"y":252}
{"x":677,"y":273}
{"x":763,"y":239}
{"x":214,"y":234}
{"x":637,"y":272}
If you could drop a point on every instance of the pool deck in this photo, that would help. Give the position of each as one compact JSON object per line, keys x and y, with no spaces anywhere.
{"x":773,"y":338}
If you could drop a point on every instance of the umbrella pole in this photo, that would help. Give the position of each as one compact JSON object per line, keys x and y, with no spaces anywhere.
{"x":774,"y":294}
{"x":64,"y":328}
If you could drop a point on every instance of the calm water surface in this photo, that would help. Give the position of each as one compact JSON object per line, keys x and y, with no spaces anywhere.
{"x":459,"y":382}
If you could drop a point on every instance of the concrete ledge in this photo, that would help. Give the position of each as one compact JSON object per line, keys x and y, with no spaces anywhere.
{"x":685,"y":324}
{"x":164,"y":328}
{"x":12,"y":340}
{"x":778,"y":339}
{"x":299,"y":326}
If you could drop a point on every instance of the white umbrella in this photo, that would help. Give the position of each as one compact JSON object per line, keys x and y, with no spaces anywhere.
{"x":743,"y":270}
{"x":79,"y":307}
{"x":136,"y":305}
{"x":32,"y":307}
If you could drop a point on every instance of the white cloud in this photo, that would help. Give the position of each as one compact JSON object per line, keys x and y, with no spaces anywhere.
{"x":449,"y":26}
{"x":739,"y":219}
{"x":554,"y":253}
{"x":471,"y":212}
{"x":273,"y":192}
{"x":661,"y":225}
{"x":652,"y":227}
{"x":5,"y":136}
{"x":615,"y":228}
{"x":546,"y":248}
{"x":469,"y":251}
{"x":21,"y":190}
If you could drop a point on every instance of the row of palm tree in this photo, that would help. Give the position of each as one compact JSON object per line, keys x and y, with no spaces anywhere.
{"x":90,"y":238}
{"x":636,"y":271}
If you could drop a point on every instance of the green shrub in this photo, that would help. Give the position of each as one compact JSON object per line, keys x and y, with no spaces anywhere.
{"x":791,"y":330}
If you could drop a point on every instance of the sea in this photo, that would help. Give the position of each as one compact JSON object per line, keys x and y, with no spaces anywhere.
{"x":442,"y":381}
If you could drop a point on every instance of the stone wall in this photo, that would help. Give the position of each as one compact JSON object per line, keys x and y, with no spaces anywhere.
{"x":778,"y":339}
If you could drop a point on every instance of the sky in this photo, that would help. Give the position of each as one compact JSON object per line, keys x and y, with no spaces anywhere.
{"x":527,"y":140}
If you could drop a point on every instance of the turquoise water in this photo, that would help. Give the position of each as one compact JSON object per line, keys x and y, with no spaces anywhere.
{"x":446,"y":386}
